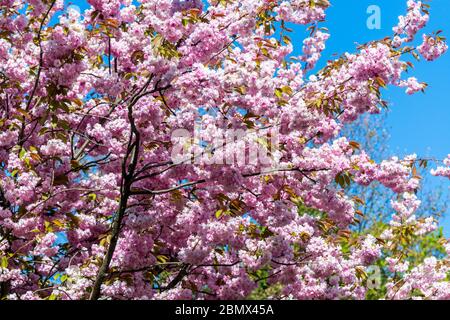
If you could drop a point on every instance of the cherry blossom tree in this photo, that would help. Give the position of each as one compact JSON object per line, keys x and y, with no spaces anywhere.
{"x":94,"y":106}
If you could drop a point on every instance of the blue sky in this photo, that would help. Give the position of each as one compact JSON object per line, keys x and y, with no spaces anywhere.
{"x":419,"y":123}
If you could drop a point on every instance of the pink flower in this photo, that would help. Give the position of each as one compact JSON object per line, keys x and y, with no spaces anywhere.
{"x":410,"y":24}
{"x":432,"y":47}
{"x":54,"y":147}
{"x":412,"y":85}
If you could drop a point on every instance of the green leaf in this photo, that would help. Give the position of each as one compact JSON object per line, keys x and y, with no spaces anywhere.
{"x":4,"y":262}
{"x":48,"y":227}
{"x":279,"y":93}
{"x":33,"y":149}
{"x":287,"y":90}
{"x":286,"y":39}
{"x":22,"y":153}
{"x":241,"y":89}
{"x":185,"y":21}
{"x":162,"y":258}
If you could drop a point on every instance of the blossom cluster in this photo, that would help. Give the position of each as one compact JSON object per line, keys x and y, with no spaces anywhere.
{"x":409,"y":25}
{"x":432,"y":47}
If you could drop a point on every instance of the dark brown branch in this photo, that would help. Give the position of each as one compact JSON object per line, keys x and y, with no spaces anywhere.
{"x":249,"y":175}
{"x":181,"y":274}
{"x":128,"y":172}
{"x":38,"y":75}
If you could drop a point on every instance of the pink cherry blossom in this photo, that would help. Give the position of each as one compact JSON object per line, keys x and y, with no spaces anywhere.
{"x":432,"y":47}
{"x":119,"y":179}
